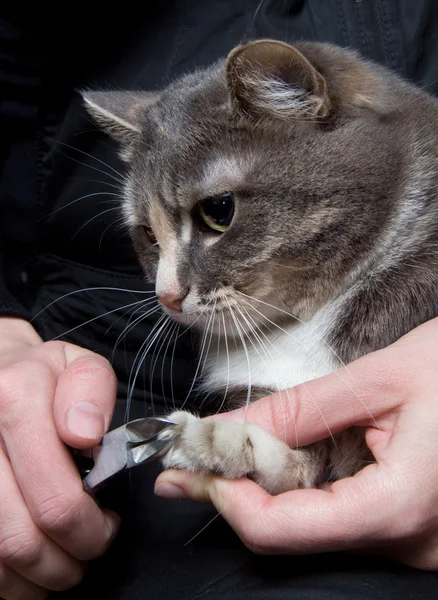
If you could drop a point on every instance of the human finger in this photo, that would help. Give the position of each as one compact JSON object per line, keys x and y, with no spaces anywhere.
{"x":84,"y":399}
{"x":15,"y":587}
{"x":24,"y":548}
{"x":301,"y":521}
{"x":43,"y":467}
{"x":358,"y":394}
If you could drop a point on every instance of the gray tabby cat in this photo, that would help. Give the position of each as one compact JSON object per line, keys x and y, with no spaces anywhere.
{"x":287,"y":199}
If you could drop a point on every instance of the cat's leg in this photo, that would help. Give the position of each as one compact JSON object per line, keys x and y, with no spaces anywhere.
{"x":349,"y":453}
{"x":236,"y":450}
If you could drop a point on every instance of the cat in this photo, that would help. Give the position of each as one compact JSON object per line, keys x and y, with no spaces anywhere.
{"x":285,"y":198}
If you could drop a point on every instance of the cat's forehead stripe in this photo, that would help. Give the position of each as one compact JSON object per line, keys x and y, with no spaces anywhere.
{"x":168,"y":227}
{"x":222,"y":174}
{"x":162,"y":225}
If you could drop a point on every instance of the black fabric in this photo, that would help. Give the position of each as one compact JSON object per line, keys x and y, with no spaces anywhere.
{"x":59,"y":234}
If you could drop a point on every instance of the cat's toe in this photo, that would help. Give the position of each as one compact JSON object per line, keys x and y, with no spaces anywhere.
{"x":210,"y":446}
{"x":183,"y":453}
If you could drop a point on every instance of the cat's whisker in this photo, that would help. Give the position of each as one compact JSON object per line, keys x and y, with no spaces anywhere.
{"x":109,"y":312}
{"x":138,"y":356}
{"x":190,"y":327}
{"x":218,"y":349}
{"x":207,"y":352}
{"x":228,"y":361}
{"x":130,"y":326}
{"x":199,"y":360}
{"x":104,"y":212}
{"x":256,"y":328}
{"x":306,"y":387}
{"x":120,"y":177}
{"x":172,"y":395}
{"x":210,"y":327}
{"x":208,"y":395}
{"x":100,"y":182}
{"x":304,"y":383}
{"x":90,"y":289}
{"x":57,"y":210}
{"x":227,"y":385}
{"x":329,"y":347}
{"x":141,"y":355}
{"x":120,"y":182}
{"x":140,"y":307}
{"x":112,"y":224}
{"x":127,"y":329}
{"x":170,"y":337}
{"x":156,"y":356}
{"x":205,"y":527}
{"x":280,"y":391}
{"x":256,"y":12}
{"x":253,"y":332}
{"x":248,"y":397}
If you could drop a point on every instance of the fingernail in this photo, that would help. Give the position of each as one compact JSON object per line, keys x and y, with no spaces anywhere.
{"x":168,"y":490}
{"x":86,"y":420}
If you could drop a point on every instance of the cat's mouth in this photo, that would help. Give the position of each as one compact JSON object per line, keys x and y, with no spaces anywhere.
{"x":229,"y":316}
{"x":220,"y":322}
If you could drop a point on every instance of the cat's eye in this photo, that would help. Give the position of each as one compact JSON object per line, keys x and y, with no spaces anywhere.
{"x":217,"y":212}
{"x":150,"y":234}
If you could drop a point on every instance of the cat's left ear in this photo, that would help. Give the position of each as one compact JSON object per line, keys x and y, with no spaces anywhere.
{"x":271,"y":78}
{"x":119,"y":113}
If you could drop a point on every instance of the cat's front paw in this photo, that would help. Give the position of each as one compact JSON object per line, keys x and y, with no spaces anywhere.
{"x":222,"y":447}
{"x":235,"y":450}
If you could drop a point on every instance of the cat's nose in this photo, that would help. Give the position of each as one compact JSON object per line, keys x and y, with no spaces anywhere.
{"x":171,"y":301}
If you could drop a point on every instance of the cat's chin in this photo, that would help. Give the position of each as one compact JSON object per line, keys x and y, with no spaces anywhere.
{"x":219,"y":324}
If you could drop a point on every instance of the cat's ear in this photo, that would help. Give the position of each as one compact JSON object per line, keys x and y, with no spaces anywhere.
{"x":119,"y":113}
{"x":270,"y":78}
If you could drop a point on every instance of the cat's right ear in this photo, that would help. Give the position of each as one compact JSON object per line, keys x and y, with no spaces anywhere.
{"x":268,"y":78}
{"x":119,"y":113}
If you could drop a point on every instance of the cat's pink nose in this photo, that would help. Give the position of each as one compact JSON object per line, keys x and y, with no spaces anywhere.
{"x":171,"y":301}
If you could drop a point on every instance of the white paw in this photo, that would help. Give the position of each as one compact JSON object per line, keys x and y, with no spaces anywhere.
{"x":224,"y":447}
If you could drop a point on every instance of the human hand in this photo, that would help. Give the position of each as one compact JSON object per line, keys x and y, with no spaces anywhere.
{"x":390,"y":507}
{"x":50,"y":394}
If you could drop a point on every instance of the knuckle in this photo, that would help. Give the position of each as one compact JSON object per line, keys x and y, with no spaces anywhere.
{"x":413,"y":523}
{"x":21,"y":377}
{"x":260,"y":534}
{"x":75,"y":577}
{"x":9,"y":382}
{"x":19,"y":382}
{"x":255,"y":544}
{"x":87,"y":368}
{"x":252,"y":535}
{"x":70,"y":578}
{"x":22,"y":549}
{"x":58,"y":514}
{"x":283,"y":410}
{"x":413,"y":518}
{"x":55,"y":347}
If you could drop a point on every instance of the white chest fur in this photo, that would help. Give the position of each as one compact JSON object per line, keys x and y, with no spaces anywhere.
{"x":276,"y":360}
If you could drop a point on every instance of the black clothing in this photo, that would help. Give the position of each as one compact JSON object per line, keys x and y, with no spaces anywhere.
{"x":59,"y":234}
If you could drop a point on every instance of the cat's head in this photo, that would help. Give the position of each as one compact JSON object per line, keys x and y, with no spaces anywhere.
{"x":267,"y":176}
